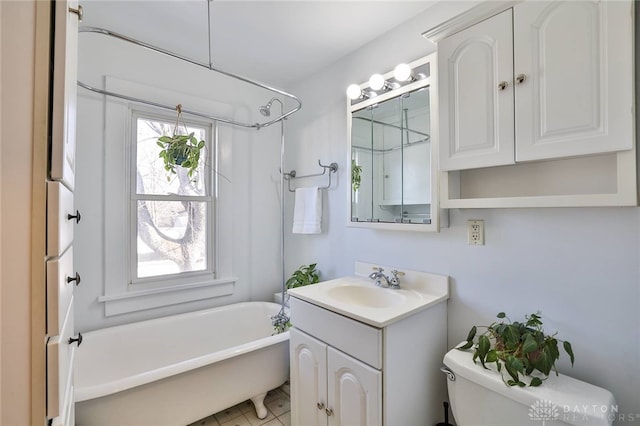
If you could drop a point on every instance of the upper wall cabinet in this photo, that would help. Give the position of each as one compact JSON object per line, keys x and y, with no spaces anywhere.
{"x":556,"y":75}
{"x":65,"y":73}
{"x":538,"y":81}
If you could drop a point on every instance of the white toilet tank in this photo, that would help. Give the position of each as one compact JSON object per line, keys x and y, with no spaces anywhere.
{"x":479,"y":397}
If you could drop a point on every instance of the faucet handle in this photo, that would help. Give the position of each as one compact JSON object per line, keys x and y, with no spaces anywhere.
{"x":377,"y":269}
{"x":395,"y":281}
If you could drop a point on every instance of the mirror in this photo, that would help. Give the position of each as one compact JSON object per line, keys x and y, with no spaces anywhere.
{"x":393,"y":178}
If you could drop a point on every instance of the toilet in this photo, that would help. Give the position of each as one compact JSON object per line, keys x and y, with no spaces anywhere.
{"x":480,"y":397}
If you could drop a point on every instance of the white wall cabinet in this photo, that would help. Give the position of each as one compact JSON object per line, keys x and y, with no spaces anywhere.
{"x":330,"y":387}
{"x":346,"y":372}
{"x":61,"y":219}
{"x":537,"y":105}
{"x":541,"y":80}
{"x":63,"y":120}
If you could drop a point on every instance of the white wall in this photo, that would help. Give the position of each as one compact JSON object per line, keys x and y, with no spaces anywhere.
{"x":254,"y":203}
{"x":579,"y":267}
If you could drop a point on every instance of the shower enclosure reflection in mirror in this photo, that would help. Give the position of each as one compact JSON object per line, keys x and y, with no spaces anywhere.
{"x":393,"y":149}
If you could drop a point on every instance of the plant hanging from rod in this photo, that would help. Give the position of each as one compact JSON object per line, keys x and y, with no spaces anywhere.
{"x":180,"y":150}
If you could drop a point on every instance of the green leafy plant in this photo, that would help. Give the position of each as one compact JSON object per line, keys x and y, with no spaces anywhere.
{"x":180,"y":150}
{"x":356,"y":175}
{"x":519,"y":348}
{"x":304,"y":275}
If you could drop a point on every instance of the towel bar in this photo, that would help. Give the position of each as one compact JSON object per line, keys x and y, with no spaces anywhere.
{"x":333,"y":167}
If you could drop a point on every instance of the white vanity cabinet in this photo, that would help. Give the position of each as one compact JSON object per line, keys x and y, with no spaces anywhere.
{"x":540,"y":80}
{"x":330,"y":387}
{"x":347,"y":372}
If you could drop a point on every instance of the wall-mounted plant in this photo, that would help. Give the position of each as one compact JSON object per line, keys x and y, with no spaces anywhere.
{"x":180,"y":150}
{"x":356,"y":175}
{"x":521,"y":348}
{"x":304,"y":275}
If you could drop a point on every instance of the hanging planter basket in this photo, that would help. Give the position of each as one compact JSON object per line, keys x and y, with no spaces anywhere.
{"x":180,"y":150}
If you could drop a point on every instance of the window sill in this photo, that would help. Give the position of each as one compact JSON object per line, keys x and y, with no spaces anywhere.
{"x":139,"y":300}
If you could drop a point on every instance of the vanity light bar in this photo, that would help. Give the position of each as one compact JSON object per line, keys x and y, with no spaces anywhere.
{"x":378,"y":84}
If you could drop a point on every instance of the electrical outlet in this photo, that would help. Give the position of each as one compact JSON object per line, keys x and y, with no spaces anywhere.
{"x":475,"y":231}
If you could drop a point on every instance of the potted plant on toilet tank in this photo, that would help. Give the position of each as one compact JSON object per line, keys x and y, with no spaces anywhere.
{"x":518,"y":349}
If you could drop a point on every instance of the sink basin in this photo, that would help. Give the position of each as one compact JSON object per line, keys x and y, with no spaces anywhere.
{"x":358,"y":298}
{"x":372,"y":297}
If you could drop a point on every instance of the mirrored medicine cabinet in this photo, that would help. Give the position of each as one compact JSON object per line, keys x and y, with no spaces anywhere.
{"x":393,"y":157}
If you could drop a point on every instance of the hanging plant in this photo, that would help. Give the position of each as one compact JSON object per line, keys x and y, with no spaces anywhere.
{"x":180,"y":150}
{"x":356,"y":178}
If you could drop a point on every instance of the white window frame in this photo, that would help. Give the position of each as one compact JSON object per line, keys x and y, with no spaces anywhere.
{"x":211,"y":182}
{"x":119,"y":296}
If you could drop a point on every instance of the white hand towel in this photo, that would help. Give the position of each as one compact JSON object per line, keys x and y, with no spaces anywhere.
{"x":307,"y":211}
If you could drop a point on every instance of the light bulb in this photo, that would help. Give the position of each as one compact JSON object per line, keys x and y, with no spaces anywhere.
{"x":402,"y":72}
{"x":376,"y":81}
{"x":354,"y":92}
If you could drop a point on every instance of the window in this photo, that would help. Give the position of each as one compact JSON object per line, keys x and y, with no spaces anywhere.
{"x":172,"y":215}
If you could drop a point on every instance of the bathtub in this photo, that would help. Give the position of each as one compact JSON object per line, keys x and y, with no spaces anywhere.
{"x":178,"y":369}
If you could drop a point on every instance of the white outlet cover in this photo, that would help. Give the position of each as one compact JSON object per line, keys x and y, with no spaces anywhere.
{"x":475,"y":232}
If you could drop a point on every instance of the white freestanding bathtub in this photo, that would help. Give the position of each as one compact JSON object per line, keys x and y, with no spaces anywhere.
{"x":178,"y":369}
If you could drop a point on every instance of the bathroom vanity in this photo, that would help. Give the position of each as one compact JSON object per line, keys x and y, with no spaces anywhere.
{"x":366,"y":355}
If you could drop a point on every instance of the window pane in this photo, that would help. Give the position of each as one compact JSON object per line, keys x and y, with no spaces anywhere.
{"x":152,"y":178}
{"x":171,"y":237}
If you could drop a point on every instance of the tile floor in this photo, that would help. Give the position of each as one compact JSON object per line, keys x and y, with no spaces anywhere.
{"x":243,"y":414}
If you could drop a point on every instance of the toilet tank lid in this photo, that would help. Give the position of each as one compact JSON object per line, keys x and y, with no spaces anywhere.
{"x":575,"y":402}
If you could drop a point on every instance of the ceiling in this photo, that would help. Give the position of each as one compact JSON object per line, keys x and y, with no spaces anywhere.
{"x":275,"y":42}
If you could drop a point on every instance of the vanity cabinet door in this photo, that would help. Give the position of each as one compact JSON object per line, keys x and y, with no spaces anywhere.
{"x":308,"y":379}
{"x":573,"y":78}
{"x":329,"y":387}
{"x":476,"y":95}
{"x":355,"y":391}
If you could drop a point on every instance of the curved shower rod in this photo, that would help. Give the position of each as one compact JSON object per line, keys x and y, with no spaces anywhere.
{"x":210,"y":67}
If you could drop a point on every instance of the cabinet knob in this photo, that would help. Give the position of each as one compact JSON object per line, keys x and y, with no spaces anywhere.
{"x":76,"y":279}
{"x":521,"y":78}
{"x":76,"y":340}
{"x":502,"y":85}
{"x":320,"y":406}
{"x":79,"y":11}
{"x":329,"y":411}
{"x":76,"y":216}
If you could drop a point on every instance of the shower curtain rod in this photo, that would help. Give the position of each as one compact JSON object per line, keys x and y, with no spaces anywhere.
{"x":210,"y":67}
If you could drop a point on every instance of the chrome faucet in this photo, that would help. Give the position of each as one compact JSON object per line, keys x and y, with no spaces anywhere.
{"x":384,"y":281}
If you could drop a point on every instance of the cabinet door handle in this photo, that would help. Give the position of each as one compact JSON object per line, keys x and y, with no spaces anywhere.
{"x":320,"y":406}
{"x":329,"y":411}
{"x":72,"y":279}
{"x":76,"y":216}
{"x":521,"y":78}
{"x":79,"y":11}
{"x":502,"y":85}
{"x":77,"y":340}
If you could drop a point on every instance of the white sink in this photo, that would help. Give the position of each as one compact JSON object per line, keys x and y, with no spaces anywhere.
{"x":373,"y":297}
{"x":359,"y":298}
